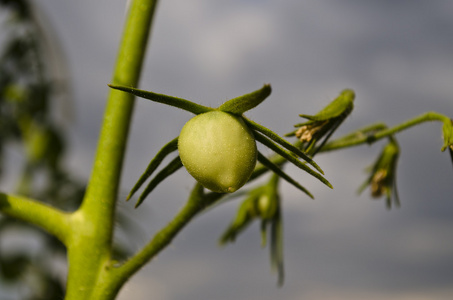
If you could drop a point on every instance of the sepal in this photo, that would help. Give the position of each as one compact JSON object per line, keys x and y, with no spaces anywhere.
{"x":382,"y":178}
{"x":321,"y":126}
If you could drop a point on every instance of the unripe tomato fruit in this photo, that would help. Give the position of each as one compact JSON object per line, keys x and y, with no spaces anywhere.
{"x":218,"y":150}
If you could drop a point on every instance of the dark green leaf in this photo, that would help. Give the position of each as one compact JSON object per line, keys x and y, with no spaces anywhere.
{"x":154,"y":164}
{"x":161,"y":98}
{"x":240,"y":223}
{"x":288,"y":156}
{"x":274,"y":168}
{"x":246,"y":102}
{"x":171,"y":168}
{"x":343,"y":103}
{"x":272,"y":135}
{"x":277,"y":248}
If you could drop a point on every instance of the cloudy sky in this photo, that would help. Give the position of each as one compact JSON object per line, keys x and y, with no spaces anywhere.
{"x":396,"y":55}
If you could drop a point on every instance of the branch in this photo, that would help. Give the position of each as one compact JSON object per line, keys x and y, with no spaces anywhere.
{"x":52,"y":220}
{"x":360,"y":139}
{"x":196,"y":203}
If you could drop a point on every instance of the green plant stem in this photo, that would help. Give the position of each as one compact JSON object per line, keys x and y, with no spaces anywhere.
{"x":52,"y":220}
{"x":89,"y":250}
{"x":359,"y":138}
{"x":196,"y":203}
{"x":369,"y":139}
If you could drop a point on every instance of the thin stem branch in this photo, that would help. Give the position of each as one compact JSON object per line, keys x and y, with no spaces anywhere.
{"x":196,"y":203}
{"x":52,"y":220}
{"x":369,"y":139}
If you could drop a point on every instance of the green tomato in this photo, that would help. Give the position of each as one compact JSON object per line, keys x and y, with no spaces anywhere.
{"x":218,"y":150}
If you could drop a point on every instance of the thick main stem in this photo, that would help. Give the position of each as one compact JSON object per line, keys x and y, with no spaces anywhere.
{"x":89,"y":249}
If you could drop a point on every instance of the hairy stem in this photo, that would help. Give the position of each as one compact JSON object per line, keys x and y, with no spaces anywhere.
{"x":196,"y":203}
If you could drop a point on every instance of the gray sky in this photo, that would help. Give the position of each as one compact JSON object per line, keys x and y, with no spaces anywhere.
{"x":396,"y":55}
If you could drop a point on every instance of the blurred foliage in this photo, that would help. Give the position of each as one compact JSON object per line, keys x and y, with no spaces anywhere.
{"x":28,"y":91}
{"x":262,"y":203}
{"x":31,"y":135}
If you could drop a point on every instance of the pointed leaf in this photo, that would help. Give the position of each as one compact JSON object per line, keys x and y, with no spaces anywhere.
{"x":447,"y":133}
{"x":263,"y":228}
{"x":343,"y":103}
{"x":161,"y":98}
{"x":171,"y":168}
{"x":244,"y":217}
{"x":246,"y":102}
{"x":308,"y":117}
{"x":326,"y":137}
{"x":273,"y":136}
{"x":230,"y":234}
{"x":288,"y":156}
{"x":154,"y":164}
{"x":450,"y":150}
{"x":274,"y":168}
{"x":277,"y":248}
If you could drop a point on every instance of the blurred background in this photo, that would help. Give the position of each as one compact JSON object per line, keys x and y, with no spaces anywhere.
{"x":396,"y":55}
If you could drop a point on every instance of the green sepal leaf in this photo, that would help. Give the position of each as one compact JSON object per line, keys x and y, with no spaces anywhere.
{"x":171,"y":168}
{"x":314,"y":133}
{"x":243,"y":103}
{"x":291,"y":158}
{"x":269,"y":201}
{"x":245,"y":215}
{"x":274,"y":168}
{"x":447,"y":132}
{"x":263,"y":203}
{"x":263,"y":229}
{"x":450,"y":150}
{"x":161,"y":98}
{"x":343,"y":103}
{"x":273,"y":136}
{"x":382,"y":178}
{"x":154,"y":164}
{"x":277,"y":247}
